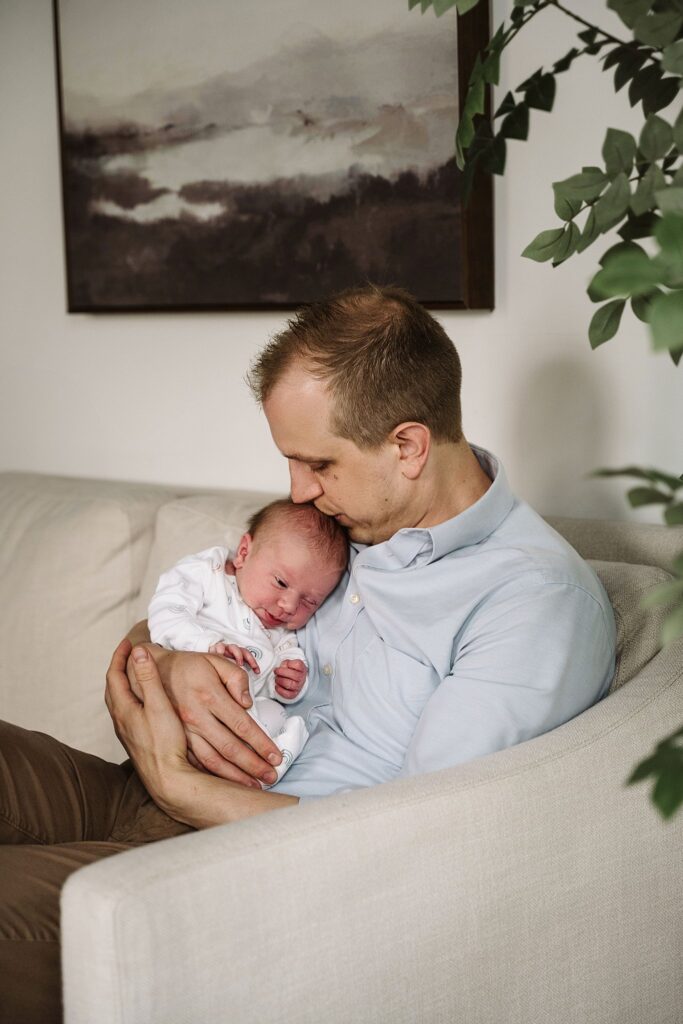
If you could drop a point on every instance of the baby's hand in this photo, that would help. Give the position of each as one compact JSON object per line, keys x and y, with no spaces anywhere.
{"x":290,"y":677}
{"x":235,"y":653}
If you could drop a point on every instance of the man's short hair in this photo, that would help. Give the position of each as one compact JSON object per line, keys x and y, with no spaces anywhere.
{"x":384,"y":358}
{"x":324,"y":534}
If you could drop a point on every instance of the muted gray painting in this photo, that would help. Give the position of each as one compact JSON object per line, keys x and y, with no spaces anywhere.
{"x":224,"y":154}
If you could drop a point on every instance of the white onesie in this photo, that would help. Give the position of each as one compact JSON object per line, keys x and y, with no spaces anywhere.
{"x":197,"y":604}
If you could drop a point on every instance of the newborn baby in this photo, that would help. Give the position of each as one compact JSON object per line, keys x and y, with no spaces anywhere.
{"x":247,"y":605}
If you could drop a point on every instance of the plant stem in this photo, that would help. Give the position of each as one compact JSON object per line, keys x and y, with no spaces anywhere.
{"x":588,"y":24}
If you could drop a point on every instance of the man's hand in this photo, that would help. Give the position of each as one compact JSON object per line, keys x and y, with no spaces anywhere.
{"x":210,"y":695}
{"x":290,"y":677}
{"x":154,"y":737}
{"x":236,"y":653}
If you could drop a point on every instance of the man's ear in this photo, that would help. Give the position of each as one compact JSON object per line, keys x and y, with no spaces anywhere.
{"x":243,"y":549}
{"x":413,"y":441}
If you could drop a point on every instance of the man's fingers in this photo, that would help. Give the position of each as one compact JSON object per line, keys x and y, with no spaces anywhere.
{"x":208,"y":760}
{"x":149,"y":680}
{"x":118,"y":693}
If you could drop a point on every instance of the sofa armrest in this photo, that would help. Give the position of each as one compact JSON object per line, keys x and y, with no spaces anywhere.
{"x":529,"y":885}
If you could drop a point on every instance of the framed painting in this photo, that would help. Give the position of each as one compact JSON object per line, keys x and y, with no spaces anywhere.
{"x":227,"y":155}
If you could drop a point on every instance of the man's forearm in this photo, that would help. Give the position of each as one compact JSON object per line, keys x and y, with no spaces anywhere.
{"x":203,"y":800}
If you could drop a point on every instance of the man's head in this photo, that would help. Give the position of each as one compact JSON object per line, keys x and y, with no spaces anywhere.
{"x":356,"y":391}
{"x":289,"y":560}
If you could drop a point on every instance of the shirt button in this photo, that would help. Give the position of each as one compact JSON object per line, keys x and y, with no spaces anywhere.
{"x":355,"y":598}
{"x":327,"y":669}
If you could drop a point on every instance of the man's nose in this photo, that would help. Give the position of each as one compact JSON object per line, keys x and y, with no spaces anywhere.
{"x":304,"y":483}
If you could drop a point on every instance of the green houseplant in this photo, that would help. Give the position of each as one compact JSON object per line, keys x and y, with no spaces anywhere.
{"x":638,"y":190}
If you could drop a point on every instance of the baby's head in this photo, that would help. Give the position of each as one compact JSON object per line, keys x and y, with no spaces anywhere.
{"x":289,"y":561}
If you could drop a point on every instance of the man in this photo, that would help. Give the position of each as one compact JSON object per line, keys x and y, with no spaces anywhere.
{"x":464,"y":625}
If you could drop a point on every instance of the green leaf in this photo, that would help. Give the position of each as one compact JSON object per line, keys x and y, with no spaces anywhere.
{"x":672,"y":58}
{"x":441,"y":6}
{"x":474,"y":105}
{"x":616,"y":54}
{"x":610,"y":209}
{"x":506,"y":106}
{"x":491,"y":69}
{"x":670,"y":200}
{"x":516,"y":124}
{"x":669,"y":235}
{"x":678,"y":132}
{"x":618,"y":250}
{"x":639,"y":496}
{"x":665,"y":593}
{"x":618,"y":152}
{"x":673,"y":627}
{"x":665,"y":765}
{"x":590,"y":229}
{"x":567,"y":244}
{"x":638,"y":227}
{"x":605,"y":322}
{"x":654,"y":475}
{"x":643,"y":198}
{"x":541,"y":93}
{"x":652,"y":89}
{"x":585,"y":186}
{"x":676,"y":355}
{"x":630,"y":10}
{"x":657,"y":29}
{"x":567,"y":209}
{"x":666,"y":321}
{"x":544,"y":245}
{"x":655,"y":139}
{"x":674,"y":514}
{"x":630,"y":61}
{"x":564,"y":63}
{"x":493,"y":158}
{"x":641,"y":304}
{"x":629,"y":273}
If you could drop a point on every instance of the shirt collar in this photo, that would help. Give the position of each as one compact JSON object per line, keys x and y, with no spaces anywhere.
{"x":425,"y":545}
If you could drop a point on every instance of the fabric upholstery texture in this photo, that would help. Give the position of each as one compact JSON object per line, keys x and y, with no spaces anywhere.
{"x":639,"y":630}
{"x":72,"y":555}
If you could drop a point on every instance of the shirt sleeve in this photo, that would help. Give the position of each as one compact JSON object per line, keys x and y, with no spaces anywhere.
{"x":531,"y":659}
{"x":179,"y":596}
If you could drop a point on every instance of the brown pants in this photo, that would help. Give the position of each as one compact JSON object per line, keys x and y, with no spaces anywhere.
{"x":60,"y":809}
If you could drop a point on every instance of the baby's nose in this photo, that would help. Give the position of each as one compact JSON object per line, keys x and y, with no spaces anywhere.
{"x":289,"y":601}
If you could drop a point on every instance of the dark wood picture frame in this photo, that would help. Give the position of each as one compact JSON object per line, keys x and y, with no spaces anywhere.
{"x":273,"y":245}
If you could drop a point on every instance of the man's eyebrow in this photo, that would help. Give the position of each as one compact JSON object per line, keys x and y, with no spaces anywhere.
{"x":308,"y":459}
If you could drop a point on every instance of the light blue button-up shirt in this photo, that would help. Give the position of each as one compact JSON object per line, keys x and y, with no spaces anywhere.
{"x":448,"y":643}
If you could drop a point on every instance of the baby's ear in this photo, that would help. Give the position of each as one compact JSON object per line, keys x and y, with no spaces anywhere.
{"x":243,"y":549}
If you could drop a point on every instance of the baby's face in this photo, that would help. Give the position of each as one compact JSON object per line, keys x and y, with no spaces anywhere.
{"x":282,"y":578}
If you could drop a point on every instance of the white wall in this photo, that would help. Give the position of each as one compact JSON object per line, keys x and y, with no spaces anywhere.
{"x":160,"y":397}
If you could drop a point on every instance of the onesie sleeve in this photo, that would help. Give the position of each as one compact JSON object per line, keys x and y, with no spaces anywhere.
{"x":179,"y":597}
{"x":286,"y":650}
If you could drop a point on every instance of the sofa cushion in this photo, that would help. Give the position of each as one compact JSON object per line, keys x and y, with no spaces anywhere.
{"x":72,"y":553}
{"x":192,"y":524}
{"x":638,"y":630}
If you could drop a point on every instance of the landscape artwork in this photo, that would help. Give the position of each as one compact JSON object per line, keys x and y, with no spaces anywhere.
{"x":230,"y":155}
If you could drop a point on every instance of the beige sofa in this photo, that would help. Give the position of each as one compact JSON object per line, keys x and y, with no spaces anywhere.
{"x":526,"y":887}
